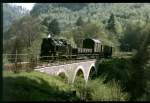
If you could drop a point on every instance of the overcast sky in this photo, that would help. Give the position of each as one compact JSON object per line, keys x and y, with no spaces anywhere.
{"x":24,"y":5}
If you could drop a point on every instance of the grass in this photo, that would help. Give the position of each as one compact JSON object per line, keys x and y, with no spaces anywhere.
{"x":120,"y":70}
{"x":106,"y":92}
{"x":35,"y":86}
{"x":110,"y":85}
{"x":96,"y":90}
{"x":123,"y":54}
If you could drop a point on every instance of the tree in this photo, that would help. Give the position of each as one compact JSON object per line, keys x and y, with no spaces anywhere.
{"x":17,"y":49}
{"x":27,"y":30}
{"x":89,"y":21}
{"x":138,"y":81}
{"x":94,"y":30}
{"x":72,"y":6}
{"x":111,"y":23}
{"x":46,"y":21}
{"x":131,"y":38}
{"x":80,"y":22}
{"x":90,"y":30}
{"x":40,"y":8}
{"x":54,"y":27}
{"x":11,"y":13}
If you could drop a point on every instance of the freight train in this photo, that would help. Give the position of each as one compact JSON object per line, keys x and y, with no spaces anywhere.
{"x":52,"y":48}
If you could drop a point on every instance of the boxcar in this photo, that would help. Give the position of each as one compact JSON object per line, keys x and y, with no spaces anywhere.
{"x":93,"y":44}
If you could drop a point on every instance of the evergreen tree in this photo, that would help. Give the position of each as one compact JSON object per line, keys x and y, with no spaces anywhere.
{"x":46,"y":21}
{"x":138,"y":80}
{"x":111,"y":23}
{"x":137,"y":83}
{"x":80,"y":22}
{"x":53,"y":27}
{"x":131,"y":38}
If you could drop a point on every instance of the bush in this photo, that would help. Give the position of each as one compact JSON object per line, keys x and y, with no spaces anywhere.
{"x":115,"y":69}
{"x":107,"y":92}
{"x":96,"y":90}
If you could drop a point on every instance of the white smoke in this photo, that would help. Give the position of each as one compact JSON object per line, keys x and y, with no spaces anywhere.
{"x":49,"y":35}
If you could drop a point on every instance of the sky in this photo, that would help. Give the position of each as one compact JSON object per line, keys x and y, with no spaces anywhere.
{"x":24,"y":5}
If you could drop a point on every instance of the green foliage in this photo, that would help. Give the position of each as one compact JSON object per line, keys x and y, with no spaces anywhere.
{"x":91,"y":30}
{"x":46,"y":21}
{"x":35,"y":86}
{"x":39,"y":8}
{"x":53,"y":27}
{"x":112,"y":24}
{"x":94,"y":30}
{"x":68,"y":13}
{"x":26,"y":30}
{"x":96,"y":90}
{"x":72,"y":6}
{"x":115,"y":69}
{"x":11,"y":13}
{"x":80,"y":22}
{"x":16,"y":44}
{"x":132,"y":37}
{"x":138,"y":80}
{"x":79,"y":85}
{"x":131,"y":73}
{"x":106,"y":92}
{"x":94,"y":12}
{"x":127,"y":23}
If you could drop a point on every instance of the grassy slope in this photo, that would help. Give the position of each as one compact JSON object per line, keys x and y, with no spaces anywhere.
{"x":35,"y":86}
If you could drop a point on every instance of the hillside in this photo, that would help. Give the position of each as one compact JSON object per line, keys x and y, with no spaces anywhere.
{"x":11,"y":13}
{"x":67,"y":14}
{"x":105,"y":21}
{"x":36,"y":86}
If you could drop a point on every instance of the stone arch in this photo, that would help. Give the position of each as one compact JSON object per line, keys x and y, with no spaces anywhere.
{"x":63,"y":77}
{"x":92,"y":70}
{"x":62,"y":73}
{"x":79,"y":68}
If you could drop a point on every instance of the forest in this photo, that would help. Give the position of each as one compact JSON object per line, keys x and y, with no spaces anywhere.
{"x":124,"y":26}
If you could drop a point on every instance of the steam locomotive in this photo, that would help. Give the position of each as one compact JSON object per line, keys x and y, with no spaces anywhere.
{"x":52,"y":48}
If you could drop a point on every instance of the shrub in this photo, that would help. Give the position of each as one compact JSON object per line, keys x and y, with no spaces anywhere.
{"x":107,"y":92}
{"x":117,"y":69}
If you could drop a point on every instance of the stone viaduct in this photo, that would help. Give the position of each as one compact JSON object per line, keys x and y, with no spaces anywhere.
{"x":71,"y":70}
